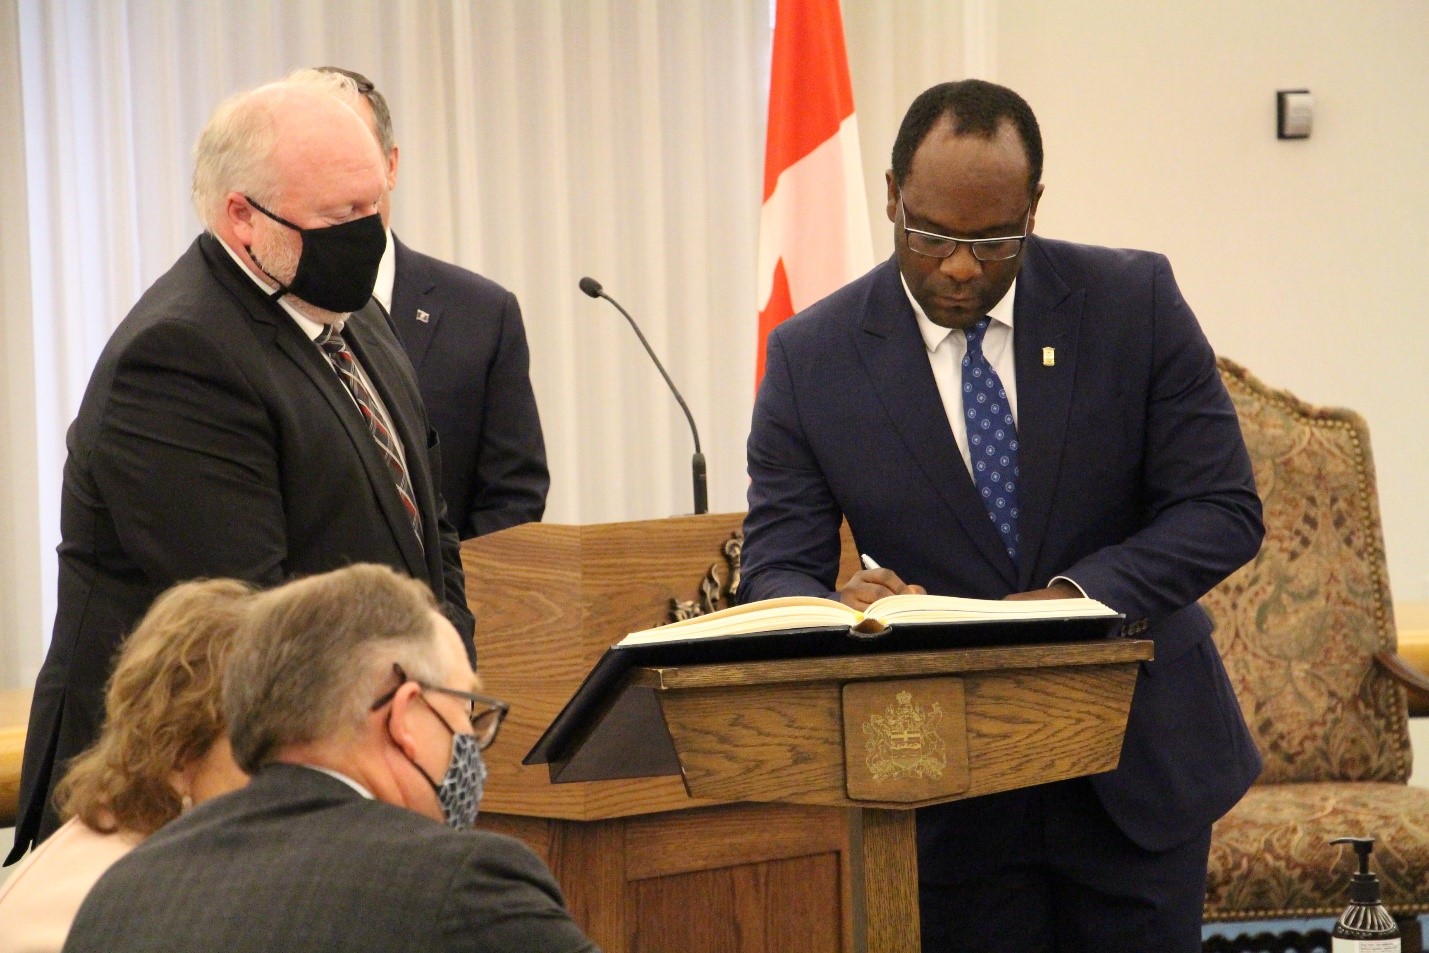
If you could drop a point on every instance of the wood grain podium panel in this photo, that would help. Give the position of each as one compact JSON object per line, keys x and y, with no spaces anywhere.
{"x":1063,"y":724}
{"x":775,"y":730}
{"x":540,"y":592}
{"x":549,"y":599}
{"x":749,"y":878}
{"x":886,"y":898}
{"x":14,"y":717}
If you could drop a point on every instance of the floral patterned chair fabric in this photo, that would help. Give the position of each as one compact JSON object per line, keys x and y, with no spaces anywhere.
{"x":1299,"y":628}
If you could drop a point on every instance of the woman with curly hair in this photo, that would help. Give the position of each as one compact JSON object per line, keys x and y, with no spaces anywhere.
{"x":163,"y":749}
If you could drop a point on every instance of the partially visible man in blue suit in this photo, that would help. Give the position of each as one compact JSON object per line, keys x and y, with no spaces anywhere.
{"x":999,"y":415}
{"x":467,"y":343}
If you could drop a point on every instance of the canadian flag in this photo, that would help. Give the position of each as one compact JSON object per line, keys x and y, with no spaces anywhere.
{"x":813,"y":227}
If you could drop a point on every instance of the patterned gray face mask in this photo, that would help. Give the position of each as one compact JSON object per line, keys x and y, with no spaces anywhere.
{"x":459,"y":792}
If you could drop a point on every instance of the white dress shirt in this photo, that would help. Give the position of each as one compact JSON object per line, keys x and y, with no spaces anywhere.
{"x":946,"y":349}
{"x":386,"y":275}
{"x":338,"y":775}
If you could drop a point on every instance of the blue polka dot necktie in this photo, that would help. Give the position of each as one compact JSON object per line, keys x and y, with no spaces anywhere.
{"x":992,"y":439}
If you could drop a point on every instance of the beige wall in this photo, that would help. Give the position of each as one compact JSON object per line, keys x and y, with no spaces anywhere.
{"x":20,"y":587}
{"x":1303,"y":259}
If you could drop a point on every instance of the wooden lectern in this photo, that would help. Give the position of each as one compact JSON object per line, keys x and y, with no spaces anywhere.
{"x":787,"y":826}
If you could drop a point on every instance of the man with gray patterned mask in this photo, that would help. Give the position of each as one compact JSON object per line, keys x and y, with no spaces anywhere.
{"x":351,"y":700}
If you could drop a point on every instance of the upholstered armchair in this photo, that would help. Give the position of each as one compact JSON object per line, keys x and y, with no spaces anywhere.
{"x":1307,"y":633}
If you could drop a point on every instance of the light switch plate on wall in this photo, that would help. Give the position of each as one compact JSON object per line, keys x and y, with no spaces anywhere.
{"x":1294,"y":113}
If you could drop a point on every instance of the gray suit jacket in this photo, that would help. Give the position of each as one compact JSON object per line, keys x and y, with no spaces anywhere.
{"x":299,"y":861}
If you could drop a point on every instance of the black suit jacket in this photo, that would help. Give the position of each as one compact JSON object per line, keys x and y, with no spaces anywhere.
{"x":1135,"y":483}
{"x":473,"y":367}
{"x":299,"y":861}
{"x":215,"y":440}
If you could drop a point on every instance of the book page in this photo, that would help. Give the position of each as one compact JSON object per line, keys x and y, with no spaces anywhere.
{"x":768,"y":615}
{"x":918,"y":608}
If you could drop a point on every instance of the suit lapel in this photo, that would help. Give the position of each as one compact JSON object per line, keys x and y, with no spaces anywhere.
{"x":412,"y":288}
{"x":896,"y":359}
{"x":291,"y":340}
{"x":295,"y":345}
{"x":1048,"y":315}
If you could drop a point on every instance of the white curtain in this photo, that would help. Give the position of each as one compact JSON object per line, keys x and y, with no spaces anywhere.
{"x":21,"y":617}
{"x":541,"y":141}
{"x":897,"y":49}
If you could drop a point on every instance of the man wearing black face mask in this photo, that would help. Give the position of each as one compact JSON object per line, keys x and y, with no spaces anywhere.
{"x":252,"y":417}
{"x":351,"y":703}
{"x":467,"y":341}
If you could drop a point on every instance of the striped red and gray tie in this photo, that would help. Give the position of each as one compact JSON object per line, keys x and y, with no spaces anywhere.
{"x":345,"y":363}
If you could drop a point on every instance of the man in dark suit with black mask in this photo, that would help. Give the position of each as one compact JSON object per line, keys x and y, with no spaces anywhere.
{"x":467,"y":342}
{"x":253,"y":416}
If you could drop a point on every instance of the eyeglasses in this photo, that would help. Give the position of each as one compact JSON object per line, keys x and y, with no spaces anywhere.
{"x":484,"y":712}
{"x":934,"y":245}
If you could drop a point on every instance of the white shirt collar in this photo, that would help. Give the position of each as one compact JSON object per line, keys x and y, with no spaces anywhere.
{"x":935,"y":334}
{"x":343,"y":778}
{"x":310,"y":327}
{"x":386,"y":274}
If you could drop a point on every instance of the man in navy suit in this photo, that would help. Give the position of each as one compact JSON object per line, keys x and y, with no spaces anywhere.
{"x":1003,"y":416}
{"x":467,"y":343}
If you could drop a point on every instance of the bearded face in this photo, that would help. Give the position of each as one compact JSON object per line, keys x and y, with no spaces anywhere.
{"x":276,"y":250}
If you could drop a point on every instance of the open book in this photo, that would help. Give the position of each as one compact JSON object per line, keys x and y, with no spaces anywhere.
{"x":809,"y":612}
{"x":796,"y":627}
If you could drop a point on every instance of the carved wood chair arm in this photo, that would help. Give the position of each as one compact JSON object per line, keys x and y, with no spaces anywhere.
{"x":1410,"y":677}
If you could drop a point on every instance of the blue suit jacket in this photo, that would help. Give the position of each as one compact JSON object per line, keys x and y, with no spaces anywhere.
{"x":473,"y":369}
{"x":1135,"y":483}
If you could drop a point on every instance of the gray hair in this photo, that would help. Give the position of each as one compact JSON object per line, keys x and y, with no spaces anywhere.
{"x":330,"y":81}
{"x":234,"y":150}
{"x":232,"y":155}
{"x":365,"y":88}
{"x":314,"y":654}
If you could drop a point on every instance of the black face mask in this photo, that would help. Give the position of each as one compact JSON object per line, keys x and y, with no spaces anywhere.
{"x":337,"y":268}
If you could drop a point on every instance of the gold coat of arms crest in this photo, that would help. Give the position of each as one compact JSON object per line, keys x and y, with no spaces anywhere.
{"x":903,"y":741}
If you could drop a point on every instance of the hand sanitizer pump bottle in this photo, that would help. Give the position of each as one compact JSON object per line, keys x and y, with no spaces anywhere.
{"x":1365,"y":926}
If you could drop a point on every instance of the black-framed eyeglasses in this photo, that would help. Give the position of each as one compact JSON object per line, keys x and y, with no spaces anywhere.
{"x":933,"y":245}
{"x":485,"y":713}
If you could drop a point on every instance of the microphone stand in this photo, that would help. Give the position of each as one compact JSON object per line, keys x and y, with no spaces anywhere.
{"x":697,"y":463}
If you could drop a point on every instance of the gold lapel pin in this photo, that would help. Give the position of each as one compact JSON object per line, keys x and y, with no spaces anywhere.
{"x":1049,"y":357}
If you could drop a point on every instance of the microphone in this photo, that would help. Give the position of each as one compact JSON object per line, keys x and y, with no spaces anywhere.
{"x":697,"y":463}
